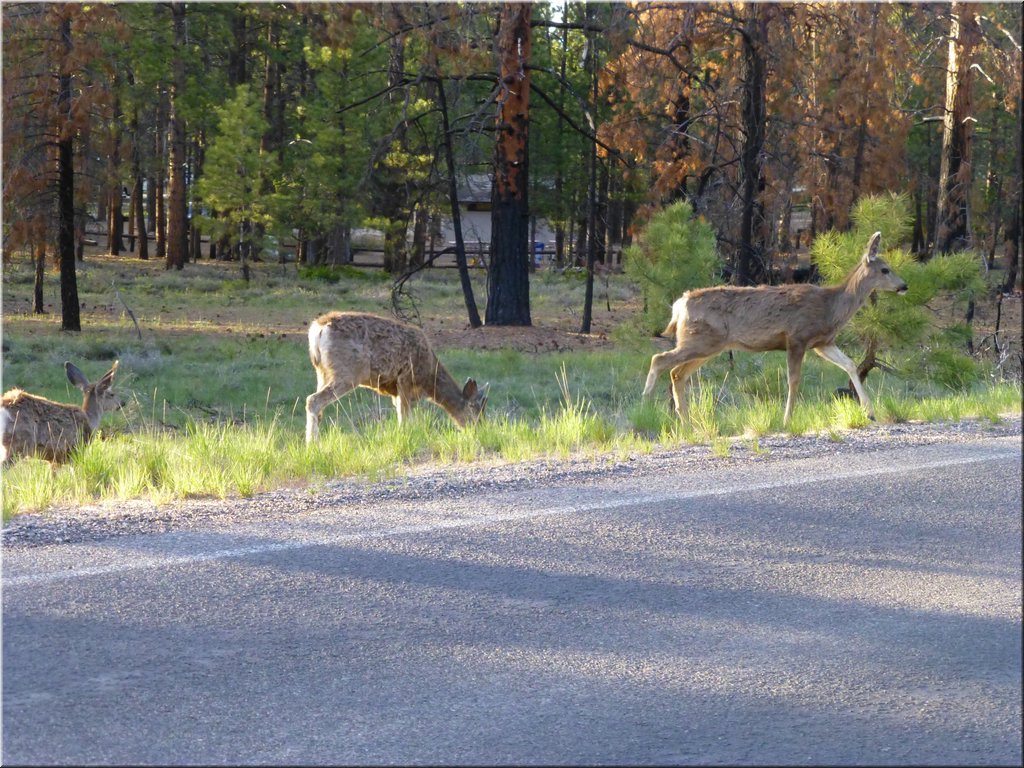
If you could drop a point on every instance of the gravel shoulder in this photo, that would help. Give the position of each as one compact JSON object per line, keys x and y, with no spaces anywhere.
{"x":96,"y":522}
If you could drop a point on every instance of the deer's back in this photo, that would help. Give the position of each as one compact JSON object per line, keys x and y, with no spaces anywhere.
{"x":373,"y":350}
{"x":34,"y":425}
{"x":761,"y":318}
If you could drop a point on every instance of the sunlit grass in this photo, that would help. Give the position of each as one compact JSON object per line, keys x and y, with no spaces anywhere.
{"x":221,"y":458}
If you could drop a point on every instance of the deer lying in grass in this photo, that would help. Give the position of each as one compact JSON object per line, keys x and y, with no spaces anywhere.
{"x":356,"y":349}
{"x":794,"y":318}
{"x":34,"y":426}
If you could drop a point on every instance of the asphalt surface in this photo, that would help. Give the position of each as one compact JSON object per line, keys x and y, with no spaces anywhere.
{"x":862,"y":611}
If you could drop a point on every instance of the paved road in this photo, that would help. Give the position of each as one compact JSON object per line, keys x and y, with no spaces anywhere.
{"x":789,"y":612}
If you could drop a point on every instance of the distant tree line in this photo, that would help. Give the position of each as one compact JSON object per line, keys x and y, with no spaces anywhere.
{"x":258,"y":125}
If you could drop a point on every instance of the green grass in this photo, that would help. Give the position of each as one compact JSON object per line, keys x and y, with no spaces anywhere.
{"x":215,"y":389}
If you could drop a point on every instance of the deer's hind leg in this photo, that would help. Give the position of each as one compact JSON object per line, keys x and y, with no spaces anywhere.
{"x":665,"y":361}
{"x":327,"y":392}
{"x":682,"y":362}
{"x":680,"y":375}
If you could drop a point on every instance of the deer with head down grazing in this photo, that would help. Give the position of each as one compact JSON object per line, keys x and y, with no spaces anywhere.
{"x":357,"y":349}
{"x":34,"y":426}
{"x":793,"y":318}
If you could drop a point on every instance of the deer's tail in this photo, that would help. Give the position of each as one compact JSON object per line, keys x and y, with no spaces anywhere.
{"x":678,"y":317}
{"x":6,"y":427}
{"x":315,"y":329}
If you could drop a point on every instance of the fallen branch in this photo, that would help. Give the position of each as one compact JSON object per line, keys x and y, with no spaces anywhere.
{"x":398,"y":288}
{"x":128,"y":310}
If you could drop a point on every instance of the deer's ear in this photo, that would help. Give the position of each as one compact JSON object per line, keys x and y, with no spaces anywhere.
{"x":872,"y":250}
{"x":108,"y":377}
{"x":75,"y":376}
{"x":470,"y":389}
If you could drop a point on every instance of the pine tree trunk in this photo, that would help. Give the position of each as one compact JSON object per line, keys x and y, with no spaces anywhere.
{"x":140,"y":219}
{"x":561,"y":206}
{"x":750,"y":253}
{"x":70,"y":311}
{"x":953,"y":227}
{"x":115,"y":226}
{"x":133,"y":203}
{"x":1013,"y":229}
{"x":161,"y":220}
{"x":151,"y":204}
{"x":508,"y":296}
{"x":37,"y":286}
{"x":917,"y":245}
{"x":160,"y":159}
{"x":453,"y":203}
{"x":79,"y":236}
{"x":394,"y":190}
{"x":588,"y":295}
{"x":177,"y":219}
{"x":994,"y":183}
{"x":418,"y":251}
{"x":198,"y":159}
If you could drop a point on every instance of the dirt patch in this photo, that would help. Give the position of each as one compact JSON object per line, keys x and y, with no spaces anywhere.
{"x":523,"y":339}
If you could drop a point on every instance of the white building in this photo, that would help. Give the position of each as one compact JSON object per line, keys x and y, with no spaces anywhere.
{"x":475,"y":213}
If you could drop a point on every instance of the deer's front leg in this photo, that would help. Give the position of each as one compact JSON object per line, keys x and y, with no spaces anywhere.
{"x":835,"y":355}
{"x":403,"y":401}
{"x":795,"y":360}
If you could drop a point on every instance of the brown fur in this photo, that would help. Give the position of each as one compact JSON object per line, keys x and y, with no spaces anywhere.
{"x":36,"y":426}
{"x":794,"y":318}
{"x":357,"y":349}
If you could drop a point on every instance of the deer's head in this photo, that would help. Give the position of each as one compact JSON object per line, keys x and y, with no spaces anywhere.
{"x":877,"y":274}
{"x":98,"y":398}
{"x":474,"y":402}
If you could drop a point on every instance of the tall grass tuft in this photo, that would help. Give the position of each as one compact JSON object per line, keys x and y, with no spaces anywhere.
{"x":847,"y":413}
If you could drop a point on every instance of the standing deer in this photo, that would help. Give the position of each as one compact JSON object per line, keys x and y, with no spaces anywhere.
{"x":795,"y":318}
{"x":357,"y":349}
{"x":34,"y":426}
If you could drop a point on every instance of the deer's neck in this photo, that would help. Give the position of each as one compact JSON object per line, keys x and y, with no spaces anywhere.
{"x":91,"y":408}
{"x":849,"y":296}
{"x":443,"y":390}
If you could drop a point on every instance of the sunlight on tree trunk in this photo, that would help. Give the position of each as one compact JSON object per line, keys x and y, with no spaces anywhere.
{"x":953,"y":228}
{"x":508,"y":297}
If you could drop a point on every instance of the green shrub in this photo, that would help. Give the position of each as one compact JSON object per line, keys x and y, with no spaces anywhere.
{"x":675,"y":252}
{"x":892,"y":323}
{"x":951,"y":370}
